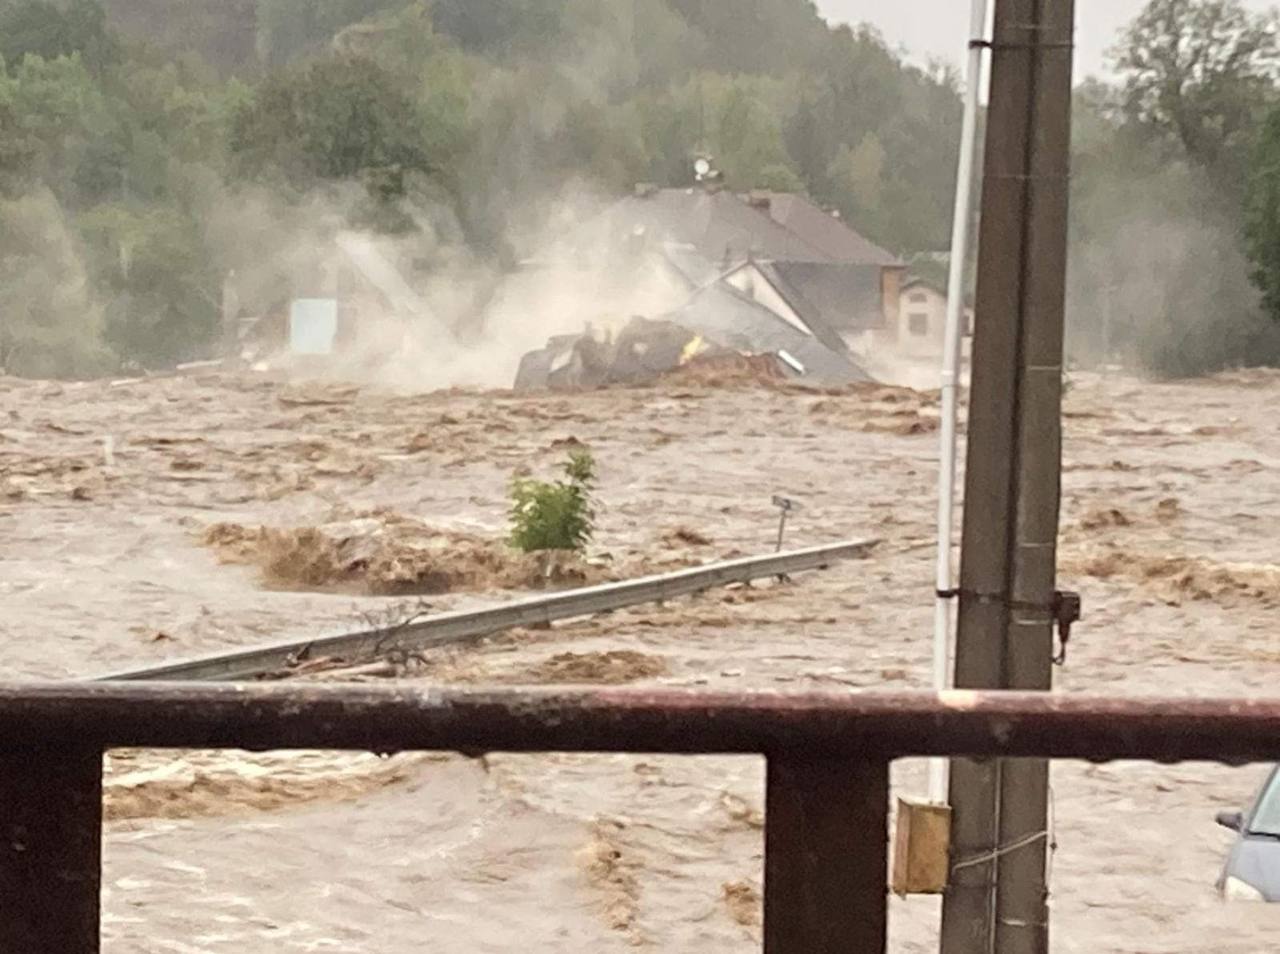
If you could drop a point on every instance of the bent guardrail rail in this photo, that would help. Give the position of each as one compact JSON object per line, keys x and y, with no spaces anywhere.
{"x":460,"y":626}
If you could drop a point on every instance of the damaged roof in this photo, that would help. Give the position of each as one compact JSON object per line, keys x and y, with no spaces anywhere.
{"x":725,"y":227}
{"x":726,"y":316}
{"x":719,"y":225}
{"x":830,"y":275}
{"x":379,"y":272}
{"x":841,"y":297}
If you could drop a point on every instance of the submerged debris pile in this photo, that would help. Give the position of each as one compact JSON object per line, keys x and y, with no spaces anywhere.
{"x":384,"y":553}
{"x":726,"y":369}
{"x":645,"y":350}
{"x":389,"y":554}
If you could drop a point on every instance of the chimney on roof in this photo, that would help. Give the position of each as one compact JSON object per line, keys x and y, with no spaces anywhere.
{"x":646,"y":190}
{"x":759,"y":199}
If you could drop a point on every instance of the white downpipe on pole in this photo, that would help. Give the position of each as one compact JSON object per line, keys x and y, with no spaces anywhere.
{"x":938,"y":768}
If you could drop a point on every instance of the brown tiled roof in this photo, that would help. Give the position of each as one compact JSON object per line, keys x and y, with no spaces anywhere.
{"x":823,"y":231}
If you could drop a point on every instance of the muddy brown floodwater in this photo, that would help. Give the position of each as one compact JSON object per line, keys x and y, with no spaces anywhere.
{"x":151,"y":520}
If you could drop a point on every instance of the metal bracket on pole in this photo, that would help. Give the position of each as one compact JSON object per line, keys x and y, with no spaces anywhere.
{"x":1067,"y":611}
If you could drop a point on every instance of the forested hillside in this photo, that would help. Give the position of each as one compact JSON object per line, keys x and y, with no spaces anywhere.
{"x":149,"y":147}
{"x":141,"y":141}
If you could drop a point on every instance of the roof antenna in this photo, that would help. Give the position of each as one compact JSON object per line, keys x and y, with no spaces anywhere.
{"x":705,"y":172}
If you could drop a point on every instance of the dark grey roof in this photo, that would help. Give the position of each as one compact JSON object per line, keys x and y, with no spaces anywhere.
{"x":695,"y":267}
{"x":725,"y":316}
{"x":811,"y":315}
{"x":828,"y":272}
{"x":841,"y":297}
{"x":719,"y":225}
{"x":725,"y":228}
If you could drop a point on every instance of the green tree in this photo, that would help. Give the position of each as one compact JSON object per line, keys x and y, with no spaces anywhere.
{"x":1200,"y":73}
{"x":49,"y":327}
{"x":159,"y":285}
{"x":810,"y":137}
{"x":748,"y":143}
{"x":555,"y":515}
{"x":59,"y":113}
{"x":341,"y":118}
{"x":49,"y":31}
{"x":1156,"y":276}
{"x":1262,"y":215}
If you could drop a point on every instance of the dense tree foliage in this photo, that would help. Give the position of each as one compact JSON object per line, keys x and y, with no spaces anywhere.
{"x":49,"y":30}
{"x":1262,"y":215}
{"x":147,"y":147}
{"x":1159,"y":274}
{"x":1200,"y":73}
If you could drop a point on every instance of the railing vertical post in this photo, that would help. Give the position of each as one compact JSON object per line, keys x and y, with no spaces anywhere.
{"x":50,"y":851}
{"x":826,"y":856}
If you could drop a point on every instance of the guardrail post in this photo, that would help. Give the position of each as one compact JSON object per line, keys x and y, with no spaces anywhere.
{"x":826,"y":856}
{"x":50,"y":851}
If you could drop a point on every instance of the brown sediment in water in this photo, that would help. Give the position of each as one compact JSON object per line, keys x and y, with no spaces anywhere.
{"x":602,"y":668}
{"x":141,"y":784}
{"x":607,"y":668}
{"x":612,"y":876}
{"x":909,"y":425}
{"x":1178,"y":579}
{"x":686,"y":536}
{"x":740,"y":812}
{"x":88,"y":584}
{"x":1101,"y":517}
{"x":743,"y":901}
{"x":388,"y":554}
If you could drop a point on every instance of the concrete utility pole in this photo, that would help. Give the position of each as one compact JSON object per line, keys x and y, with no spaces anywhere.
{"x":996,"y":902}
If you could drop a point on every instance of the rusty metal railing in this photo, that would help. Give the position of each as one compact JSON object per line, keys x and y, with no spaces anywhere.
{"x":827,"y":784}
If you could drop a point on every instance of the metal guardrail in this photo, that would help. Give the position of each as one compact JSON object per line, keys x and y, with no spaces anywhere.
{"x":460,"y":626}
{"x":827,"y":782}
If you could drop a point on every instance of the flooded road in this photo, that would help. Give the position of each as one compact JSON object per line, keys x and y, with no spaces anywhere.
{"x":107,"y":494}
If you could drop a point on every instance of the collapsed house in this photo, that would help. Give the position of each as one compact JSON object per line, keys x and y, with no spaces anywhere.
{"x":346,"y":297}
{"x":761,"y":274}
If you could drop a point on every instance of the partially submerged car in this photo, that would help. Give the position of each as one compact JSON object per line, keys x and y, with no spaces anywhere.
{"x":1252,"y":871}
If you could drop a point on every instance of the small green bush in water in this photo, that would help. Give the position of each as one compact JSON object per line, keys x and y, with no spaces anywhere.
{"x":555,"y":515}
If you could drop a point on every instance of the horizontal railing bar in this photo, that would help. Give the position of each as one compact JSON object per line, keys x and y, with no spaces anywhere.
{"x":404,"y":716}
{"x":462,"y":625}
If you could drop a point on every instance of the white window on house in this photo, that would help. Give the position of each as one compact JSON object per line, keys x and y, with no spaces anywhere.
{"x":918,"y":298}
{"x":918,"y":323}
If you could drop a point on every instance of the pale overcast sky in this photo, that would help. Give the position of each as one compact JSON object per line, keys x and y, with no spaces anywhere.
{"x":938,"y":28}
